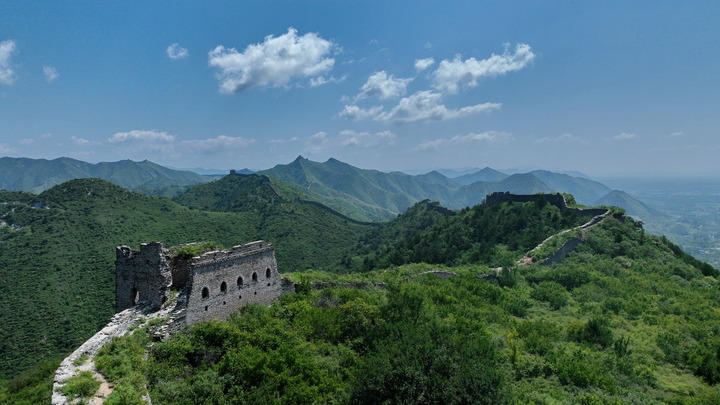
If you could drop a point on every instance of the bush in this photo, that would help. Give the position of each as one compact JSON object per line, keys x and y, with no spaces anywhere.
{"x":83,"y":385}
{"x":552,"y":293}
{"x":595,"y":331}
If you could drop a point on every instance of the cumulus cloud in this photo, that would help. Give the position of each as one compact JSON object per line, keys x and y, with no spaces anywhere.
{"x":273,"y":62}
{"x":7,"y":75}
{"x":425,"y":106}
{"x":50,"y":73}
{"x":382,"y":86}
{"x":560,"y":138}
{"x":450,"y":76}
{"x":356,"y":113}
{"x":624,"y":136}
{"x":366,"y":139}
{"x":142,"y":135}
{"x":419,"y":107}
{"x":488,"y":136}
{"x":175,"y":51}
{"x":422,"y":64}
{"x":218,"y":143}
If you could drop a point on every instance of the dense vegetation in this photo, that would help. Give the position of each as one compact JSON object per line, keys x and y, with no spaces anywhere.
{"x":627,"y":317}
{"x":494,"y":235}
{"x":622,"y":320}
{"x":57,"y":253}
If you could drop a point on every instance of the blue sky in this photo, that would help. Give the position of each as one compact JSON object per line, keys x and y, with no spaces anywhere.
{"x":605,"y":88}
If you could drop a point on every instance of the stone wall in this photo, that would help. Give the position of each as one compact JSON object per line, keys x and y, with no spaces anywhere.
{"x":556,"y":199}
{"x":211,"y":286}
{"x":141,"y":275}
{"x":221,"y":282}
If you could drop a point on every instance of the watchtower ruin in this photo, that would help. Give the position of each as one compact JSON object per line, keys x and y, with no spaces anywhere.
{"x":211,"y":285}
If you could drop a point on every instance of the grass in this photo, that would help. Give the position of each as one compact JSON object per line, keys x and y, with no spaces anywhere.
{"x":81,"y":386}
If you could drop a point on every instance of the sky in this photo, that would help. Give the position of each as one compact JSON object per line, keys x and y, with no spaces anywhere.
{"x":607,"y":88}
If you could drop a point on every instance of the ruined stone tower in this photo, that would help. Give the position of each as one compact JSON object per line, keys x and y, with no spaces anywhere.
{"x":210,"y":286}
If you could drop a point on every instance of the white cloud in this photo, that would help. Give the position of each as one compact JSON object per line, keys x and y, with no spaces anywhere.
{"x":281,"y":141}
{"x":560,"y":138}
{"x":26,"y":141}
{"x":422,"y":64}
{"x":451,"y":75}
{"x":624,"y":136}
{"x":419,"y":107}
{"x":82,"y":141}
{"x":425,"y":106}
{"x":175,"y":51}
{"x":142,"y":135}
{"x":219,"y":143}
{"x":273,"y":62}
{"x":356,"y":113}
{"x":677,"y":134}
{"x":50,"y":73}
{"x":320,"y":80}
{"x":7,"y":75}
{"x":488,"y":136}
{"x":366,"y":139}
{"x":382,"y":86}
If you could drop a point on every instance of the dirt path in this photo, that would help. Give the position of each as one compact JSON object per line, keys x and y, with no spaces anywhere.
{"x":71,"y":366}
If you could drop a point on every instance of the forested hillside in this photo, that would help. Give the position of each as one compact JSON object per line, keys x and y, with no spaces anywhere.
{"x":623,"y":319}
{"x":57,"y":253}
{"x":37,"y":175}
{"x":494,"y":235}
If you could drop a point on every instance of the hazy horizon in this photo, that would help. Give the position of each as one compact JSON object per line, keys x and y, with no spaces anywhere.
{"x":612,"y":89}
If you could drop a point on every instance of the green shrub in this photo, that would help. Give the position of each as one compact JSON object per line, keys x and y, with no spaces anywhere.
{"x":552,"y":293}
{"x":83,"y":385}
{"x":594,"y":331}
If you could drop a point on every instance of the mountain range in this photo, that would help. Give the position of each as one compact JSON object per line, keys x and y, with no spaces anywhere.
{"x":363,"y":194}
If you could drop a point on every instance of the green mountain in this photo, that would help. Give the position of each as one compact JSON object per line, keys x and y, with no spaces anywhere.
{"x":626,"y":318}
{"x":37,"y":175}
{"x":584,"y":190}
{"x":486,"y":174}
{"x":57,"y":250}
{"x":495,"y":235}
{"x":340,"y":185}
{"x":372,"y":195}
{"x":632,"y":205}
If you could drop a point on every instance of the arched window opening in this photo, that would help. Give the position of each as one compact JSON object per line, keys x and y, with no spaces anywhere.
{"x":135,"y":295}
{"x":223,"y":287}
{"x":240,"y":282}
{"x":267,"y":273}
{"x":205,"y":292}
{"x":254,"y":277}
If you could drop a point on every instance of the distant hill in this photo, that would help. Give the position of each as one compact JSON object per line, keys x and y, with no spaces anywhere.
{"x":585,"y":191}
{"x":38,"y":175}
{"x":372,"y":195}
{"x":631,"y":205}
{"x":486,"y":174}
